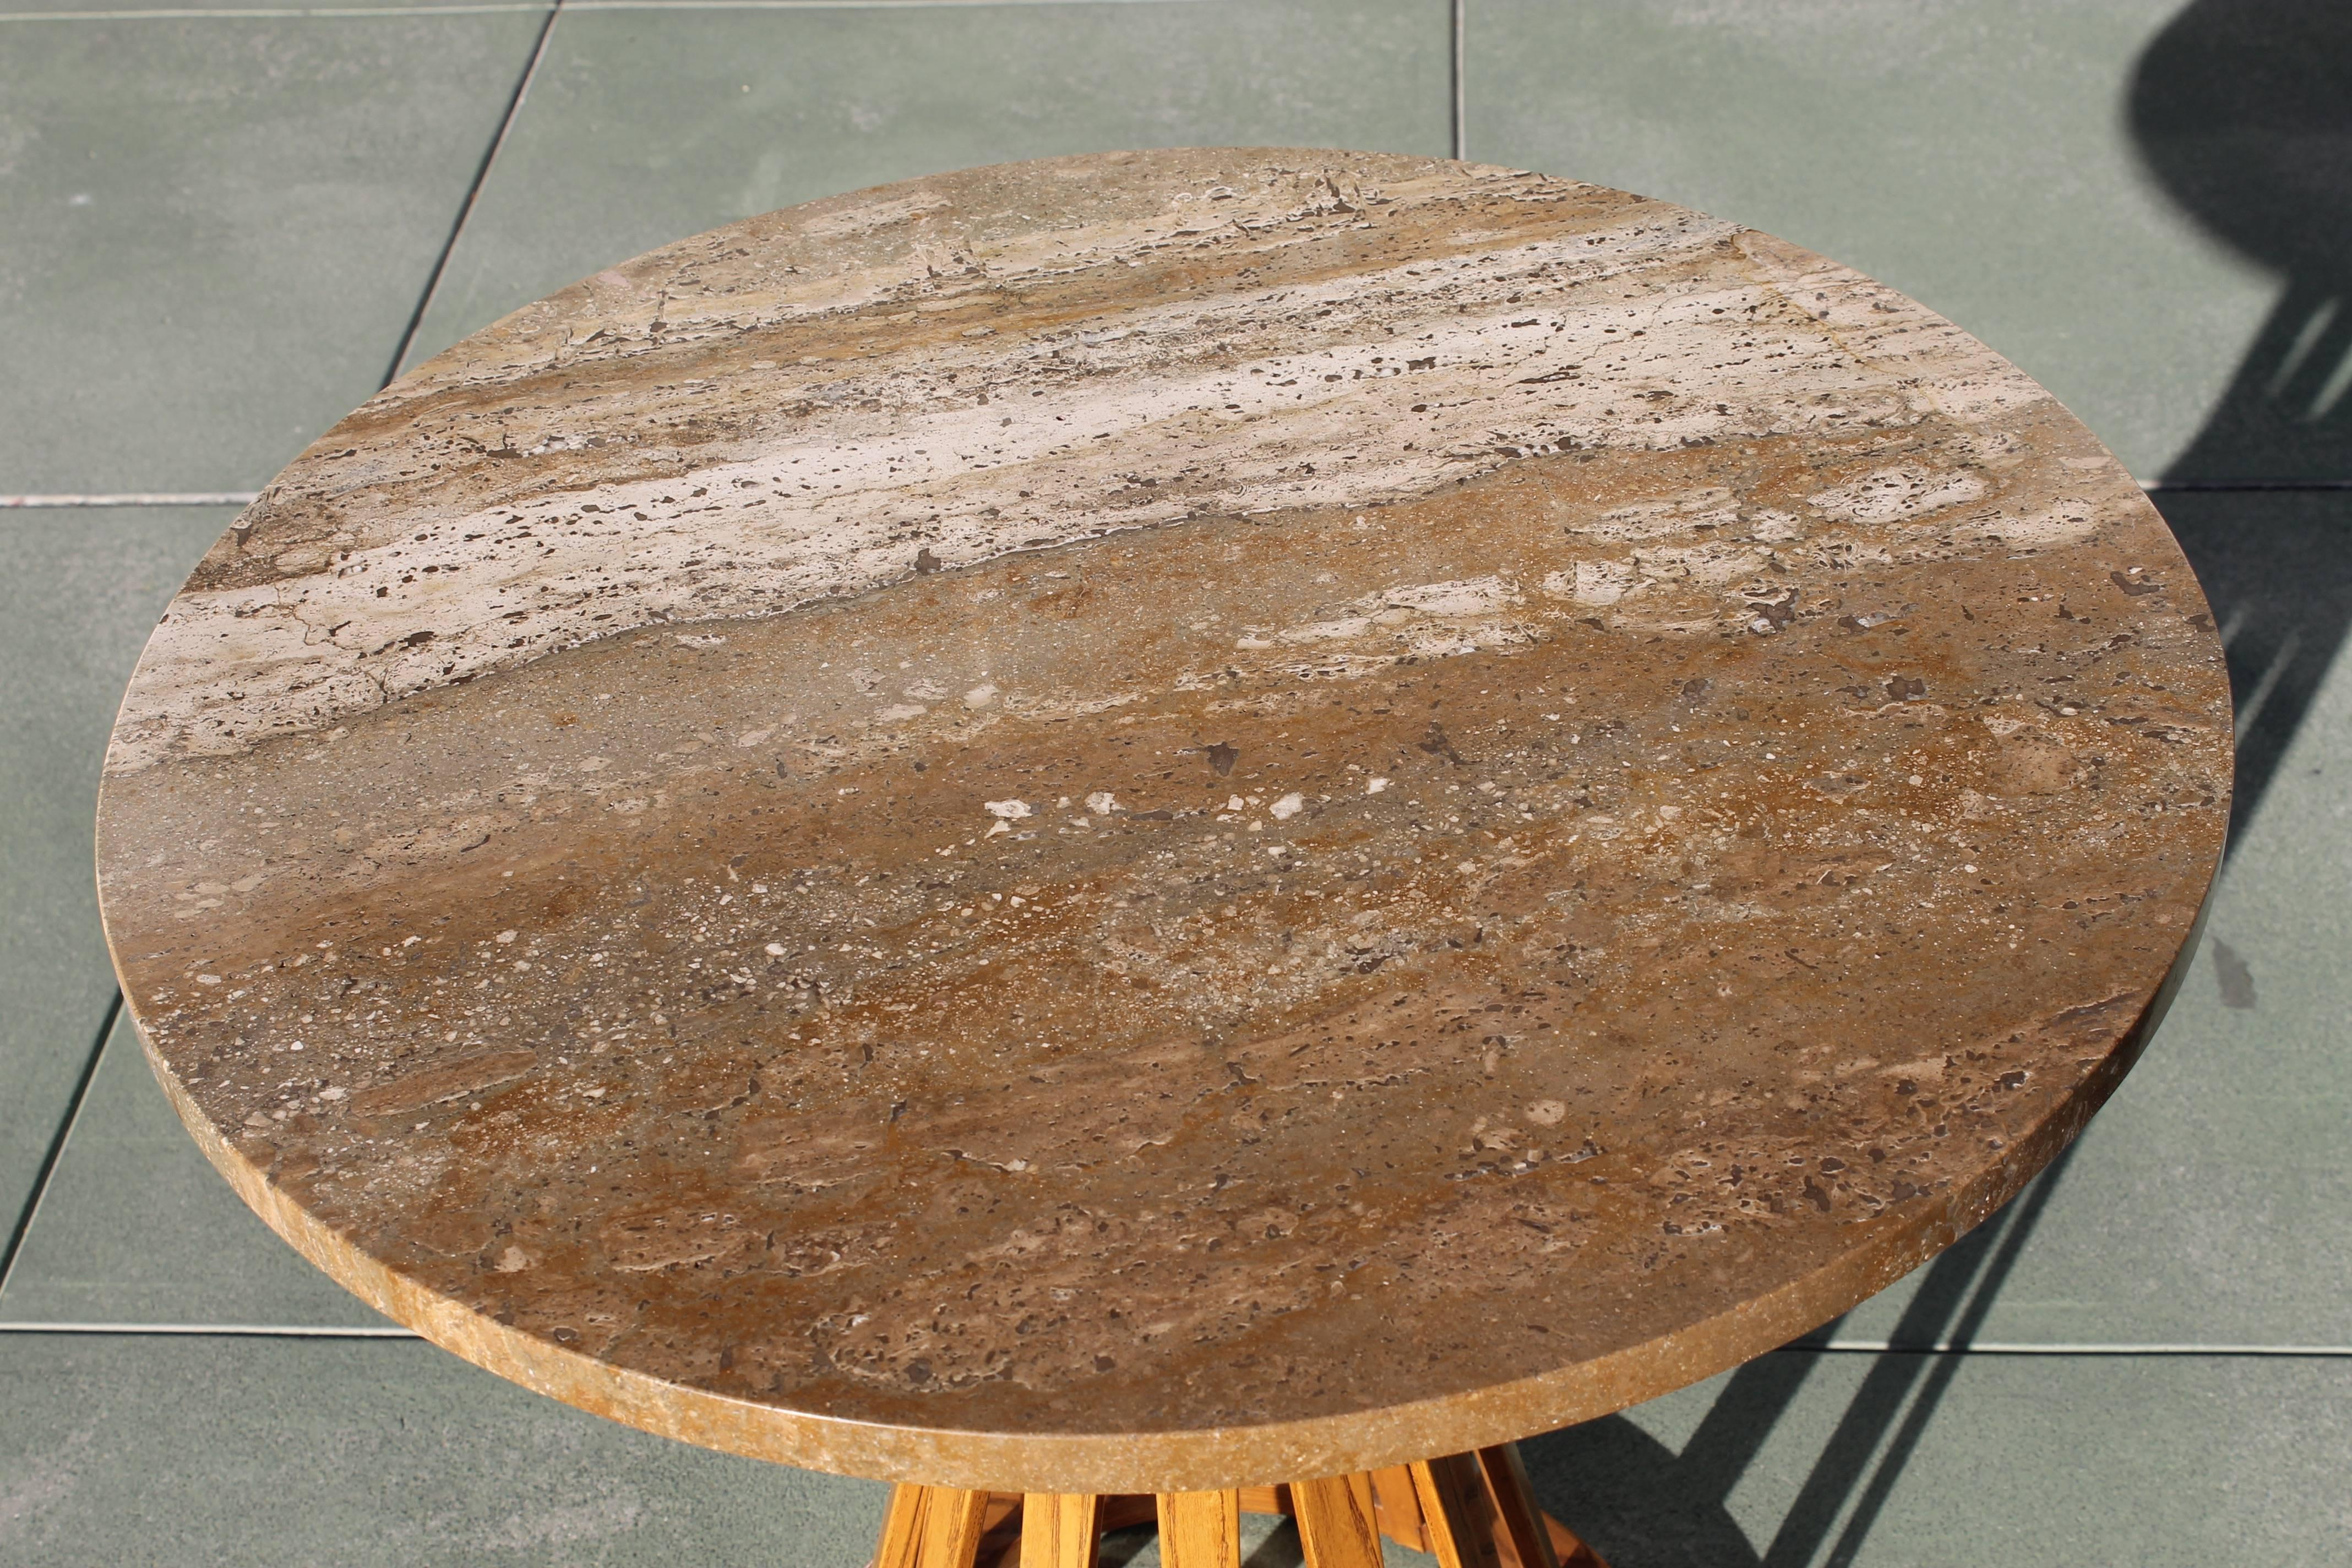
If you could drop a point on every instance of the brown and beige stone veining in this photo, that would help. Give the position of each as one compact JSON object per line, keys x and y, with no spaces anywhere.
{"x":1149,"y":822}
{"x":1295,"y":339}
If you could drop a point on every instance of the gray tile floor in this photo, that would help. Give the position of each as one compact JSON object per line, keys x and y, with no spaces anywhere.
{"x":220,"y":228}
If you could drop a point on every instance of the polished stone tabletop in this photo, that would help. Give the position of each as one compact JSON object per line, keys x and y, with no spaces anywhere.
{"x":1163,"y":820}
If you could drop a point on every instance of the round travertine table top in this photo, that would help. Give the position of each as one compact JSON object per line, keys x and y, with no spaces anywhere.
{"x":1156,"y":821}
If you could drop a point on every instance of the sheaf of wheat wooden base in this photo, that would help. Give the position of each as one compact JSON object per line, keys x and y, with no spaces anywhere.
{"x":1468,"y":1510}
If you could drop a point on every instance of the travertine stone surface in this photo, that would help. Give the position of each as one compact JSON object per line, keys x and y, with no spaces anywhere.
{"x":1158,"y":821}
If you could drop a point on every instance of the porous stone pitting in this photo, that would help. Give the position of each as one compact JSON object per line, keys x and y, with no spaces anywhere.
{"x":1149,"y":822}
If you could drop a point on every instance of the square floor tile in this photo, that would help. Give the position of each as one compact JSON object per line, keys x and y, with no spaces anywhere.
{"x":1952,"y":1461}
{"x":81,"y":590}
{"x":136,"y":1228}
{"x":646,"y":126}
{"x":249,"y":1453}
{"x":1984,"y":159}
{"x":214,"y":231}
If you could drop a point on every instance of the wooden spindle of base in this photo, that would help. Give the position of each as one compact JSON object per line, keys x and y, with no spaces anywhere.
{"x":1520,"y":1539}
{"x":1336,"y":1527}
{"x":902,"y":1528}
{"x":1201,"y":1530}
{"x":929,"y":1525}
{"x":1059,"y":1530}
{"x":1468,"y":1510}
{"x":1457,"y":1514}
{"x":1397,"y":1507}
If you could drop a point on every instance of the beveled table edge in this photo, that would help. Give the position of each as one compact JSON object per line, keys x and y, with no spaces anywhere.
{"x":1268,"y":1454}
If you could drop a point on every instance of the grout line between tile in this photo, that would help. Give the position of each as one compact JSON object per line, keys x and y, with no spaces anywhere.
{"x":57,"y":1141}
{"x":220,"y":1331}
{"x":504,"y":7}
{"x":272,"y":13}
{"x":143,"y":498}
{"x":1461,"y":97}
{"x":839,"y":4}
{"x":473,"y":193}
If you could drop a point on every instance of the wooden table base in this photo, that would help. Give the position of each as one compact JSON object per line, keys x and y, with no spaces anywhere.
{"x":1468,"y":1510}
